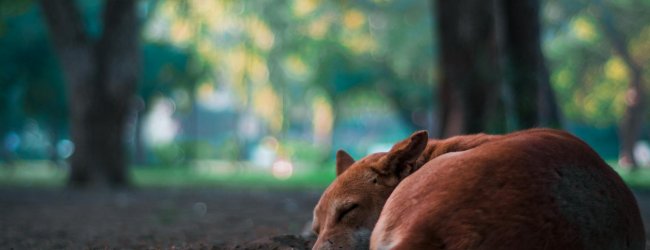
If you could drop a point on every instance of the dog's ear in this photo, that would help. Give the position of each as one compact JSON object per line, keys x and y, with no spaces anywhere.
{"x":343,"y":161}
{"x":408,"y":150}
{"x":401,"y":157}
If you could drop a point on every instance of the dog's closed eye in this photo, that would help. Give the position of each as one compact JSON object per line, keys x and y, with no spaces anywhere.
{"x":345,"y":210}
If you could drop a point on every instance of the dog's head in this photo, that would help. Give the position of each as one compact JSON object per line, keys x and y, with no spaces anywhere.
{"x":349,"y":208}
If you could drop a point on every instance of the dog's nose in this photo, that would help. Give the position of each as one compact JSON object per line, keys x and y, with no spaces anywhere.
{"x":326,"y":244}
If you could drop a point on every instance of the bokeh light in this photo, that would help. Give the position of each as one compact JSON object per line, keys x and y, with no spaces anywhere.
{"x":282,"y":169}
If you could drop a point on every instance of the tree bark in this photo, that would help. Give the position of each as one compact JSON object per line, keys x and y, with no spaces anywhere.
{"x":483,"y":43}
{"x":101,"y":77}
{"x":534,"y":100}
{"x":469,"y":84}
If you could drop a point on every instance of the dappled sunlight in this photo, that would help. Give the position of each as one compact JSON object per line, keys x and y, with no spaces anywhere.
{"x":323,"y":121}
{"x":237,"y":68}
{"x":208,"y":51}
{"x":584,"y":29}
{"x":603,"y":99}
{"x":260,"y":33}
{"x":296,"y":67}
{"x":205,"y":90}
{"x":160,"y":126}
{"x":266,"y":152}
{"x":181,"y":32}
{"x":361,"y":43}
{"x":318,"y":28}
{"x":269,"y":105}
{"x":282,"y":169}
{"x":238,"y":46}
{"x":266,"y":85}
{"x":208,"y":10}
{"x":616,"y":70}
{"x":257,"y":70}
{"x":214,"y":99}
{"x":353,"y":19}
{"x":304,"y":7}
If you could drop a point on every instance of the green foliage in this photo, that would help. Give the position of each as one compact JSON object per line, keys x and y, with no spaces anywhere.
{"x":166,"y":69}
{"x":589,"y":77}
{"x":276,"y":58}
{"x":229,"y":150}
{"x":298,"y":47}
{"x":31,"y":84}
{"x":168,"y":155}
{"x":305,"y":153}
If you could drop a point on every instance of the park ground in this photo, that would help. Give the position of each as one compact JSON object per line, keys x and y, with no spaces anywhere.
{"x":37,"y":218}
{"x":44,"y":215}
{"x":160,"y":218}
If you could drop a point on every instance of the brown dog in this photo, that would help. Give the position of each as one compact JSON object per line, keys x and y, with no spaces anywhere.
{"x":535,"y":189}
{"x":349,"y":208}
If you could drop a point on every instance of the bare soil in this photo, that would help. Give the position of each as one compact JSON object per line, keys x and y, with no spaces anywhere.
{"x":163,"y":219}
{"x":154,"y":219}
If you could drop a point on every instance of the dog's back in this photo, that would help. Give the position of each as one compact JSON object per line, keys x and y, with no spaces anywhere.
{"x":540,"y":189}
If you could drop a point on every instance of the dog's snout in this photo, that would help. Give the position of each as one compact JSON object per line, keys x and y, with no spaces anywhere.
{"x":324,"y":244}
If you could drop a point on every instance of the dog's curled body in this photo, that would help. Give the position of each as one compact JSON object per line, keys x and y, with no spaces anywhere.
{"x":536,"y":189}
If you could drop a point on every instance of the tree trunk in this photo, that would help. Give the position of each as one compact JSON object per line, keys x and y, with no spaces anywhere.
{"x":533,"y":99}
{"x":481,"y":44}
{"x":469,"y":84}
{"x":632,"y":121}
{"x":139,"y":151}
{"x":101,"y":77}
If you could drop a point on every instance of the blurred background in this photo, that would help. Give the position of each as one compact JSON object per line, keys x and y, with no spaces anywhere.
{"x":198,"y":123}
{"x":258,"y":93}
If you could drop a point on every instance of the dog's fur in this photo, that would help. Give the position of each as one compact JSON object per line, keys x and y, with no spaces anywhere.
{"x":535,"y":189}
{"x":350,"y":207}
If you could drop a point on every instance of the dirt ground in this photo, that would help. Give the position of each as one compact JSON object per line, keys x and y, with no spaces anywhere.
{"x":163,"y":219}
{"x":151,"y":219}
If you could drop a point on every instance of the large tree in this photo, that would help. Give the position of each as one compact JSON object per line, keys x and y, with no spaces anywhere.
{"x":101,"y":76}
{"x":534,"y":102}
{"x":493,"y":75}
{"x":469,"y":87}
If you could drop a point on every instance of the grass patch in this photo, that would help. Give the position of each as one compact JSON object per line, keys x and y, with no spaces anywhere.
{"x":241,"y":178}
{"x":32,"y":174}
{"x":45,"y":174}
{"x":638,"y":179}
